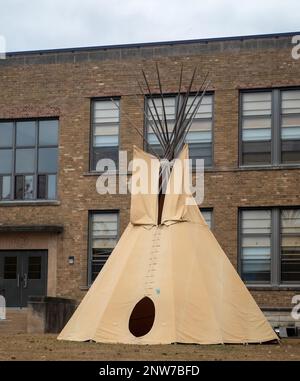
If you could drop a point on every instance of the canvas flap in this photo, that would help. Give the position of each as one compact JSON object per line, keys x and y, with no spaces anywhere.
{"x":144,"y":188}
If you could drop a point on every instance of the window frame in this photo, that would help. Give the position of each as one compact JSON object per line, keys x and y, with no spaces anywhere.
{"x":275,"y":127}
{"x":275,"y":268}
{"x":91,"y":144}
{"x":35,"y":172}
{"x":90,"y":237}
{"x":175,"y":95}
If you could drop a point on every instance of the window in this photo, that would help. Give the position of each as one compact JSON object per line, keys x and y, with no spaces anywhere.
{"x":105,"y":128}
{"x":207,"y":214}
{"x":270,"y":127}
{"x":290,"y":126}
{"x":270,"y":246}
{"x":28,"y":159}
{"x":256,"y":245}
{"x":103,"y":238}
{"x":199,"y":136}
{"x":290,"y":245}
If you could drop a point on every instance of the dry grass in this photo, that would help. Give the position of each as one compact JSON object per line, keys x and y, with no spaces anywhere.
{"x":46,"y":347}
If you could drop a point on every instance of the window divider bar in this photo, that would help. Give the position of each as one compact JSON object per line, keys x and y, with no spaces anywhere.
{"x":276,"y":140}
{"x":275,"y":247}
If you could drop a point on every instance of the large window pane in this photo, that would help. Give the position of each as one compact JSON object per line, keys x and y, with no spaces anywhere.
{"x":5,"y":161}
{"x":290,"y":245}
{"x":104,"y":235}
{"x":105,"y":121}
{"x":26,"y":132}
{"x":256,"y":245}
{"x":25,"y":160}
{"x":47,"y":160}
{"x":6,"y":188}
{"x":256,"y":128}
{"x":290,"y":126}
{"x":6,"y":134}
{"x":48,"y":132}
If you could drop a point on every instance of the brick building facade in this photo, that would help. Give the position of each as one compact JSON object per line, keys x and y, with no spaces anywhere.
{"x":62,"y":85}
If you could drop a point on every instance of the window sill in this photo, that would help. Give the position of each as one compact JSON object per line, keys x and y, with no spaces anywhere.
{"x":284,"y":287}
{"x":30,"y":203}
{"x":268,"y":167}
{"x":84,"y":288}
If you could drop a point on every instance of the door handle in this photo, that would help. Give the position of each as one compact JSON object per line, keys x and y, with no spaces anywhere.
{"x":25,"y":279}
{"x":18,"y":280}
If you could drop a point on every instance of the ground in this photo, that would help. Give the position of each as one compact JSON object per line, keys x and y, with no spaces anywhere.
{"x":47,"y":347}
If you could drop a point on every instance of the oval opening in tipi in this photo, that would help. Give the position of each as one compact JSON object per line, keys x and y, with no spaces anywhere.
{"x":142,"y":317}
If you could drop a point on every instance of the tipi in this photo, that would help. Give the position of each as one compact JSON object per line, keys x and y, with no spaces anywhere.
{"x":168,"y":280}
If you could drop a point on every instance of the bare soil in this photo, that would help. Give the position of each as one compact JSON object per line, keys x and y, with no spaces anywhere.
{"x":47,"y":347}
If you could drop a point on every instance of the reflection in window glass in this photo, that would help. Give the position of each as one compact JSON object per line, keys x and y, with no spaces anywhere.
{"x":48,"y":132}
{"x":25,"y":160}
{"x":6,"y":187}
{"x":51,"y":187}
{"x":47,"y":160}
{"x":5,"y":161}
{"x":6,"y":134}
{"x":25,"y":134}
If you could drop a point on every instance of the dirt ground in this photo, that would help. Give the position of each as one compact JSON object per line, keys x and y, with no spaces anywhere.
{"x":46,"y":347}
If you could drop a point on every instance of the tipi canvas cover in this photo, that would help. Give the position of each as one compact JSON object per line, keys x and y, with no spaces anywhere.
{"x":191,"y":292}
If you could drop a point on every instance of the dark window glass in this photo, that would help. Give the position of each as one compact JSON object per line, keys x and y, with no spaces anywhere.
{"x":10,"y":267}
{"x":5,"y":161}
{"x":34,"y":267}
{"x":255,"y":153}
{"x":290,"y":151}
{"x":41,"y":193}
{"x":6,"y":134}
{"x":48,"y":132}
{"x":19,"y":187}
{"x":26,"y":133}
{"x":100,"y":256}
{"x":100,"y":153}
{"x":47,"y":160}
{"x":25,"y":160}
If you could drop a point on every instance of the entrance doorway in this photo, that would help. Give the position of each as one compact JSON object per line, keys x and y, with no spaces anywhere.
{"x":23,"y":273}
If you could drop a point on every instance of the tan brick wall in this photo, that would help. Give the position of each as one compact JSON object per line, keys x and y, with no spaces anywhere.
{"x":31,"y":86}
